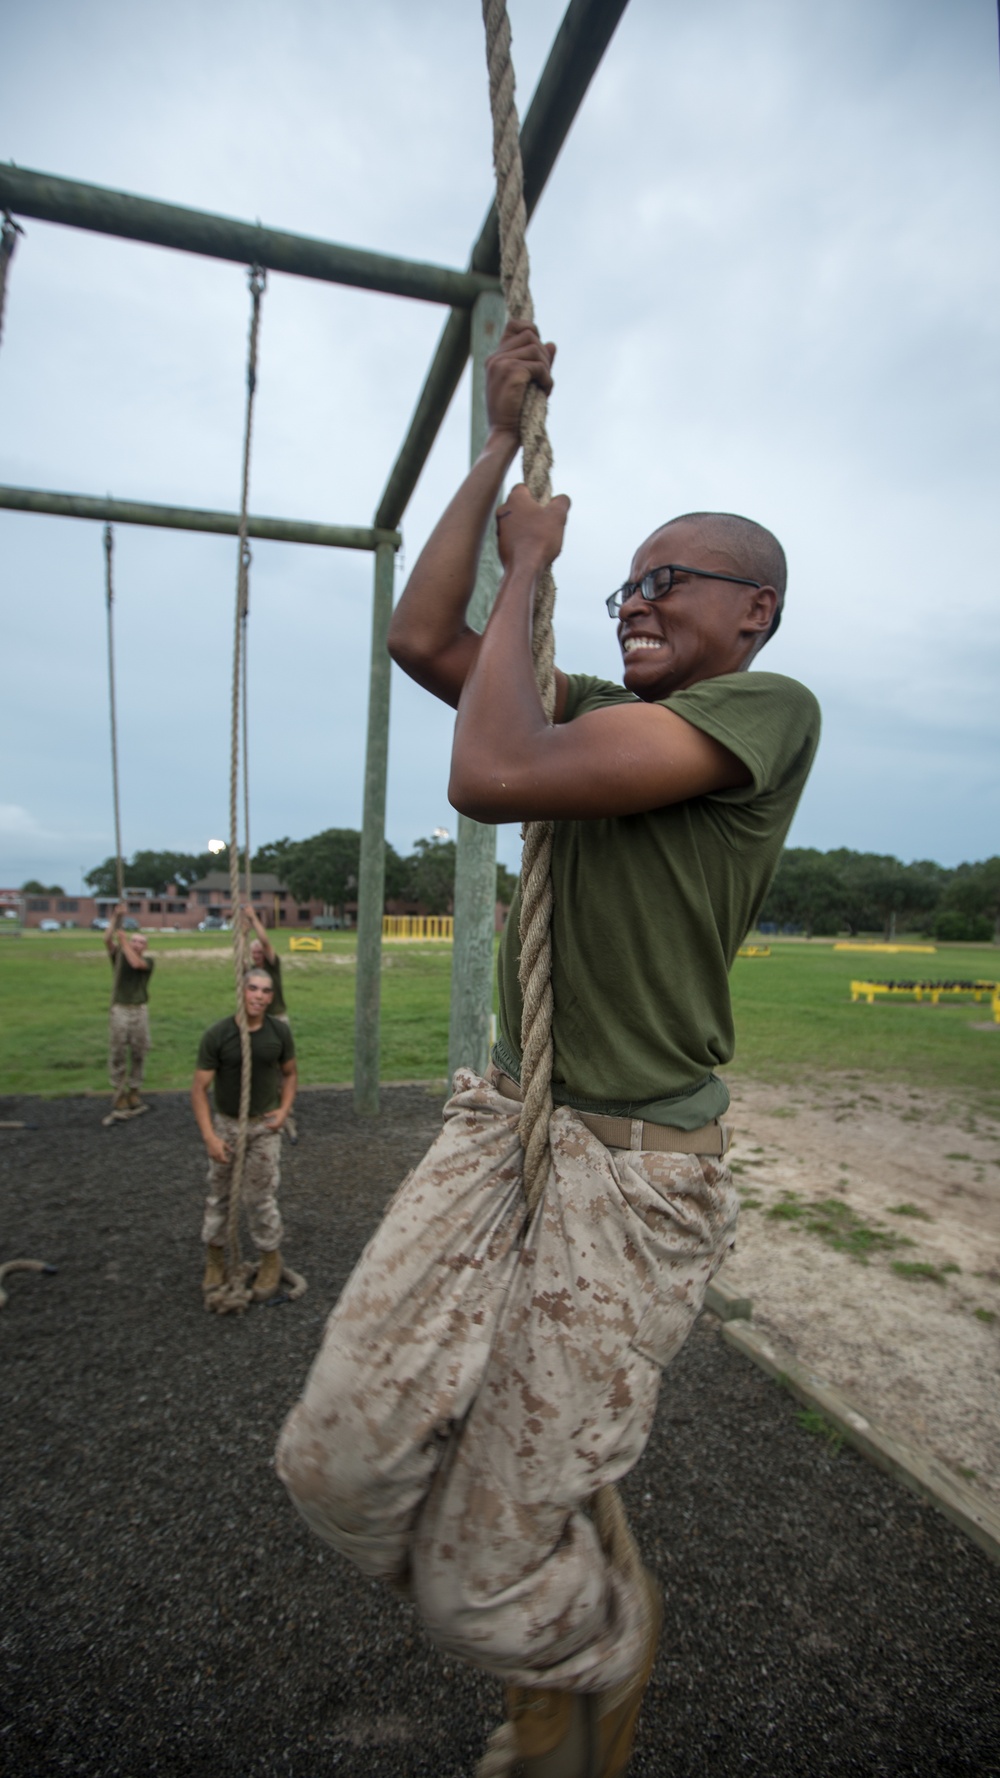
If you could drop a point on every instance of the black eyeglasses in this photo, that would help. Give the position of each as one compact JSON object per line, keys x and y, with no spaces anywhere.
{"x":658,"y":582}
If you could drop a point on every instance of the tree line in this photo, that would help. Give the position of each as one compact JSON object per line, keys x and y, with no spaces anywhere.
{"x":322,"y":868}
{"x":817,"y":893}
{"x":825,"y":893}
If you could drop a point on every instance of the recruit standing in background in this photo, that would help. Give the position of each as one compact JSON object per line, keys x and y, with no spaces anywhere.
{"x":128,"y":1020}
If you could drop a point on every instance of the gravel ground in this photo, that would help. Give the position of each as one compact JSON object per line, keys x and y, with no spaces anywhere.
{"x":166,"y":1613}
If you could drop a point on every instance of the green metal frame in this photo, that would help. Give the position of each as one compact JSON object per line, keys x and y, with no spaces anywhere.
{"x":473,"y":324}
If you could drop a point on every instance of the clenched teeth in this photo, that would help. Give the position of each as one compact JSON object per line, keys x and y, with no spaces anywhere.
{"x":633,"y":642}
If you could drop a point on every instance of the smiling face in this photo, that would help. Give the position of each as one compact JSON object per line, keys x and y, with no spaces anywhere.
{"x":702,"y":627}
{"x":257,"y":996}
{"x":256,"y":951}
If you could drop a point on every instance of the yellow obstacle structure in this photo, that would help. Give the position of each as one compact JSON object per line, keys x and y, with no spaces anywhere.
{"x":304,"y":941}
{"x":931,"y":991}
{"x":754,"y":951}
{"x":412,"y":926}
{"x":844,"y":945}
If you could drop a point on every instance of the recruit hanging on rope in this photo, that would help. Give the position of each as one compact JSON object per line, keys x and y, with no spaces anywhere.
{"x":492,"y":1366}
{"x":234,"y":1294}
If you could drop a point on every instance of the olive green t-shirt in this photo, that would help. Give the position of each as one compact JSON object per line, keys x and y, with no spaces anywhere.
{"x":277,"y":1005}
{"x":650,"y":909}
{"x":269,"y":1048}
{"x":130,"y":986}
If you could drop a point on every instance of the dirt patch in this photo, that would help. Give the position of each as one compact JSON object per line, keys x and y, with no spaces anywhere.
{"x":870,"y":1244}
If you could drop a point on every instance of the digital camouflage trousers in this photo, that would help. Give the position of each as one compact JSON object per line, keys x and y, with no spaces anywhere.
{"x":261,"y":1175}
{"x":482,"y":1375}
{"x":128,"y":1046}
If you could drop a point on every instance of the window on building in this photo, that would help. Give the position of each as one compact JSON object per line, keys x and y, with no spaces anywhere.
{"x":135,"y":907}
{"x":304,"y":916}
{"x":155,"y":907}
{"x":177,"y":907}
{"x":68,"y":905}
{"x":255,"y":894}
{"x":38,"y":904}
{"x":282,"y":915}
{"x":203,"y":898}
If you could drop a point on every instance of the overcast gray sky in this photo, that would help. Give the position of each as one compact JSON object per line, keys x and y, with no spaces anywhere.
{"x":769,"y":256}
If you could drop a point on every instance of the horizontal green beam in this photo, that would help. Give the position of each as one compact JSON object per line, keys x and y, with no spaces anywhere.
{"x":106,"y":212}
{"x":193,"y":518}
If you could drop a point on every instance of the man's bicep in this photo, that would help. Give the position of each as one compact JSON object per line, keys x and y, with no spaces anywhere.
{"x":203,"y":1078}
{"x":622,"y":760}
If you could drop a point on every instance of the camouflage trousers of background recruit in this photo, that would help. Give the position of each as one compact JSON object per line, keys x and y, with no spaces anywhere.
{"x":261,"y":1175}
{"x":479,"y":1380}
{"x":128,"y":1046}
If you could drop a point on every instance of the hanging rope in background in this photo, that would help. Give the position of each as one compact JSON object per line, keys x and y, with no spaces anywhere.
{"x":9,"y":231}
{"x":235,"y":1295}
{"x":109,"y":547}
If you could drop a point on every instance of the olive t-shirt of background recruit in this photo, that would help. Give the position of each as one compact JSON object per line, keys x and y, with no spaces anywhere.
{"x":649,"y":911}
{"x":131,"y":986}
{"x":277,"y":1005}
{"x":270,"y":1047}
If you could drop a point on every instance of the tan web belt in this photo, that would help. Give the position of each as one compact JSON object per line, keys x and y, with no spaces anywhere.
{"x":634,"y":1132}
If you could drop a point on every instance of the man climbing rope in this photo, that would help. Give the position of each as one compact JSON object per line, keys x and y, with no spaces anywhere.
{"x":128,"y":1019}
{"x":264,"y":956}
{"x":486,"y":1372}
{"x":273,"y":1083}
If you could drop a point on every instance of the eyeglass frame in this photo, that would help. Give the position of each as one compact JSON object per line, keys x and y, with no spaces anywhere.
{"x":628,"y":587}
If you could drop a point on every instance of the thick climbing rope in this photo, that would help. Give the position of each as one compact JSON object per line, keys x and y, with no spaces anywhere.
{"x":9,"y":231}
{"x":536,"y":884}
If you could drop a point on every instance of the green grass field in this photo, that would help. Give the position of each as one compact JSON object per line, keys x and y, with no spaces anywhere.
{"x":794,"y":1014}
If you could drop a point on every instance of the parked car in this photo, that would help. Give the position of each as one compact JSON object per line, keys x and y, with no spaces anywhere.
{"x":327,"y":923}
{"x":99,"y":925}
{"x":48,"y":926}
{"x":211,"y":924}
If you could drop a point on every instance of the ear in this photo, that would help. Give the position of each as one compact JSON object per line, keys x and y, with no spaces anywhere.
{"x":762,"y":603}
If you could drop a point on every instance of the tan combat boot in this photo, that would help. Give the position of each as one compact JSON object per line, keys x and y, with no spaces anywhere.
{"x":583,"y":1734}
{"x":268,"y":1280}
{"x":135,"y":1102}
{"x":215,"y":1269}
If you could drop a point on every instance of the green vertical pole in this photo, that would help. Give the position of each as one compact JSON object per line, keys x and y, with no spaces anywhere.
{"x":371,"y":875}
{"x":476,"y":868}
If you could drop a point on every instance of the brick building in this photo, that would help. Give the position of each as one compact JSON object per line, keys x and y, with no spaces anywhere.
{"x":176,"y":910}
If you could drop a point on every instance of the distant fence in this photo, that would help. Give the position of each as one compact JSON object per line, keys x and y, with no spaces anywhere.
{"x":410,"y":926}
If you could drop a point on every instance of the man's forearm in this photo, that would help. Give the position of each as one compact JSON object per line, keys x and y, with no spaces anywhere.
{"x":289,"y":1088}
{"x":500,"y":716}
{"x":429,"y":637}
{"x":202,"y":1111}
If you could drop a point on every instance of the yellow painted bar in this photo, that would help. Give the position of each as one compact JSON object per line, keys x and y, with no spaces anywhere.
{"x":304,"y":941}
{"x":416,"y":926}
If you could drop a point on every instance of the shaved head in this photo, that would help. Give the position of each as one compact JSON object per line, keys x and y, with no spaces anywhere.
{"x":753,"y":550}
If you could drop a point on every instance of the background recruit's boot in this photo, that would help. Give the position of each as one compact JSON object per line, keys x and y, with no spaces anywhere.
{"x":215,"y":1269}
{"x":135,"y":1100}
{"x":268,"y":1280}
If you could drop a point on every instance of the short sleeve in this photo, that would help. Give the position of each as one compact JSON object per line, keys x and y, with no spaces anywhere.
{"x":769,"y":722}
{"x":210,"y":1049}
